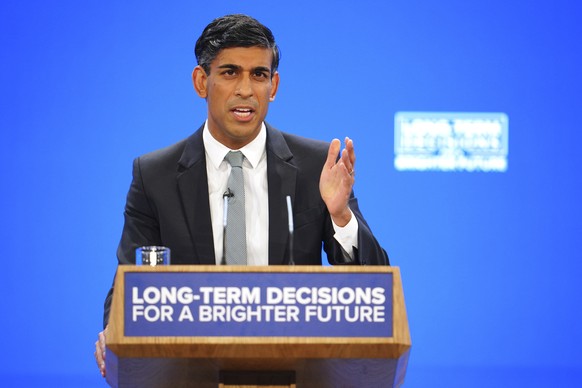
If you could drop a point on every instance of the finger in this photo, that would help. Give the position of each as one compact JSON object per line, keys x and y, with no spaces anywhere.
{"x":99,"y":358}
{"x":351,"y":151}
{"x":345,"y":162}
{"x":348,"y":164}
{"x":101,"y":352}
{"x":102,"y":343}
{"x":348,"y":142}
{"x":332,"y":153}
{"x":98,"y":353}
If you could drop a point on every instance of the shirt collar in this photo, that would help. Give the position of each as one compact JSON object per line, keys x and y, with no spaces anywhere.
{"x":216,"y":151}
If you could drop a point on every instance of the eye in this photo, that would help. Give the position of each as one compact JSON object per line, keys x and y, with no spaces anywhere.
{"x":229,"y":72}
{"x":260,"y":75}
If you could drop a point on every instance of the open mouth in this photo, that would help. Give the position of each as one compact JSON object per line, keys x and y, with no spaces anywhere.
{"x":242,"y":113}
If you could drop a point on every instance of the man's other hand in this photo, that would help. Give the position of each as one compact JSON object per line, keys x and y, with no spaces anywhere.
{"x":100,"y":351}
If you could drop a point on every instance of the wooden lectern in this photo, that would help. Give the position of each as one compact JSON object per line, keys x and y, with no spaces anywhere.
{"x":292,"y":359}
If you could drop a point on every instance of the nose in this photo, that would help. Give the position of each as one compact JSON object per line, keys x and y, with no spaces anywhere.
{"x":244,"y":88}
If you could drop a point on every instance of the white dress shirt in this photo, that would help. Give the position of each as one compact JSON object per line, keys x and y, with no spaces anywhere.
{"x":256,"y":198}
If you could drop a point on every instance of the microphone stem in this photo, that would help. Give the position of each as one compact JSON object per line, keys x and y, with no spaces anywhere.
{"x":291,"y":229}
{"x":224,"y":222}
{"x":291,"y":261}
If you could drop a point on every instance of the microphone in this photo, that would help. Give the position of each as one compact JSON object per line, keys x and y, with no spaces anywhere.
{"x":227,"y":194}
{"x":291,"y":228}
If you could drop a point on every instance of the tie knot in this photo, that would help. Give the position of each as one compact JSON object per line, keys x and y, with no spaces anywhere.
{"x":235,"y":158}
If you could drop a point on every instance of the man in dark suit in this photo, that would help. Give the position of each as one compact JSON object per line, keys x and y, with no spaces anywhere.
{"x":175,"y":199}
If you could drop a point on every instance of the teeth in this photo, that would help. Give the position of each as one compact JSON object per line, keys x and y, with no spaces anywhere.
{"x":243,"y":112}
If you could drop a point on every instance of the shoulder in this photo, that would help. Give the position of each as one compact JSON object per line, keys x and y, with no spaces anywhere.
{"x":166,"y":154}
{"x":305,"y":143}
{"x":185,"y":152}
{"x":298,"y":147}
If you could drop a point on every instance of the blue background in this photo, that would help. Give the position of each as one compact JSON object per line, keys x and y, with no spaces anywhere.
{"x":491,"y":262}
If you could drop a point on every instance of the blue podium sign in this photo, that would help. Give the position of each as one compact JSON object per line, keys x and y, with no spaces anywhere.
{"x":258,"y":304}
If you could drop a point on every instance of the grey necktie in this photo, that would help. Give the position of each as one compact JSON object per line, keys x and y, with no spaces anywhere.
{"x":236,"y":240}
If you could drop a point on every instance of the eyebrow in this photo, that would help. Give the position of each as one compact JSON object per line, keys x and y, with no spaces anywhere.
{"x":237,"y":67}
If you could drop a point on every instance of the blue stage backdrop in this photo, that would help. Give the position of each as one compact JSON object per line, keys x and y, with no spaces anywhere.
{"x":490,"y":260}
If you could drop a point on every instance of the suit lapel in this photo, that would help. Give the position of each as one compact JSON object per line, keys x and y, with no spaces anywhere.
{"x":192,"y":183}
{"x":282,"y":176}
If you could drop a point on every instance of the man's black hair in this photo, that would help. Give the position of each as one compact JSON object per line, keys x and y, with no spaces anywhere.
{"x":234,"y":31}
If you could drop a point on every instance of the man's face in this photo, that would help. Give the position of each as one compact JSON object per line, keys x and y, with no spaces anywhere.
{"x":238,"y":91}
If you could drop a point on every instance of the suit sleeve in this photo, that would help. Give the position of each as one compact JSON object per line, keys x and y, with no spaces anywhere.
{"x":141,"y":227}
{"x":369,"y":251}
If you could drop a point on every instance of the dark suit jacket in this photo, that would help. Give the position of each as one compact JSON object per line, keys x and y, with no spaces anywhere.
{"x":167,"y":205}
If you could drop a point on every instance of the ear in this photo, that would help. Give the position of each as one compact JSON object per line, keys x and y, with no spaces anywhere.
{"x":274,"y":86}
{"x":199,"y":80}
